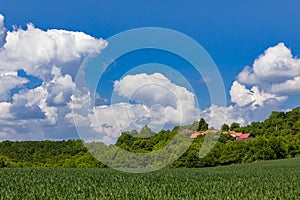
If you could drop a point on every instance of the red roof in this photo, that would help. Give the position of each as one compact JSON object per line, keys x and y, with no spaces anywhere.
{"x":244,"y":136}
{"x":236,"y":134}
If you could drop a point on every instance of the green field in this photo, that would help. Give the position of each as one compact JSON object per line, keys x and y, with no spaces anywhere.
{"x":279,"y":179}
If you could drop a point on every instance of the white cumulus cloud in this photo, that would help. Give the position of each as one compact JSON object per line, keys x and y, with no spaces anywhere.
{"x":274,"y":70}
{"x":216,"y":116}
{"x":260,"y":89}
{"x":53,"y":56}
{"x":291,"y":86}
{"x":36,"y":51}
{"x":253,"y":97}
{"x":158,"y":103}
{"x":276,"y":64}
{"x":9,"y":81}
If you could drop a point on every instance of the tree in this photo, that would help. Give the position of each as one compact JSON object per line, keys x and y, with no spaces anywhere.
{"x":202,"y":126}
{"x":235,"y":126}
{"x":276,"y":143}
{"x":225,"y":128}
{"x":146,"y":132}
{"x":296,"y":126}
{"x":293,"y":149}
{"x":5,"y":161}
{"x":225,"y":138}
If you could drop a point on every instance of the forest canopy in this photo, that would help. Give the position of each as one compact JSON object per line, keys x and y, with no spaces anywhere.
{"x":275,"y":138}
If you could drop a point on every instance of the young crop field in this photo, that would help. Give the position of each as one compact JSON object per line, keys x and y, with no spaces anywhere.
{"x":278,"y":179}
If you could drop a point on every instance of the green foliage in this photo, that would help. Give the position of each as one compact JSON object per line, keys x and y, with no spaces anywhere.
{"x":226,"y":138}
{"x":146,"y":132}
{"x":261,"y":180}
{"x":5,"y":162}
{"x":193,"y":126}
{"x":139,"y":143}
{"x":277,"y":124}
{"x":228,"y":151}
{"x":235,"y":126}
{"x":70,"y":153}
{"x":202,"y":126}
{"x":225,"y":127}
{"x":275,"y":138}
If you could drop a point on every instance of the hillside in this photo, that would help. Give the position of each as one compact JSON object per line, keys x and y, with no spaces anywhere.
{"x":275,"y":138}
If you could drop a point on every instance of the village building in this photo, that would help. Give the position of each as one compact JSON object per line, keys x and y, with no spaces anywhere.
{"x":245,"y":136}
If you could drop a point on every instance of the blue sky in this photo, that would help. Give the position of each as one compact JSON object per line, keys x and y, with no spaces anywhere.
{"x":234,"y":33}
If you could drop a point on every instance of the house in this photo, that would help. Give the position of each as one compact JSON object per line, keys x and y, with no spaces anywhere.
{"x":245,"y":136}
{"x":236,"y":134}
{"x":232,"y":133}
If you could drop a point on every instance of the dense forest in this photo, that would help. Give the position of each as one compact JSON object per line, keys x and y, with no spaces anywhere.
{"x":275,"y":138}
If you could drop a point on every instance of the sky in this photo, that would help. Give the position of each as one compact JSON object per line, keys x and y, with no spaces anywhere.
{"x":254,"y":44}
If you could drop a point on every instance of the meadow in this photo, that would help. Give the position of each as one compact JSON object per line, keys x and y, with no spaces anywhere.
{"x":277,"y":179}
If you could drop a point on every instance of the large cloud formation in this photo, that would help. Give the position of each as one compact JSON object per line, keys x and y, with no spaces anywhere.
{"x":53,"y":57}
{"x":45,"y":111}
{"x":158,"y":103}
{"x":274,"y":76}
{"x":277,"y":70}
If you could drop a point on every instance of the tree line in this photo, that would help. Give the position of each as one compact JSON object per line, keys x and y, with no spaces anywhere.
{"x":275,"y":138}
